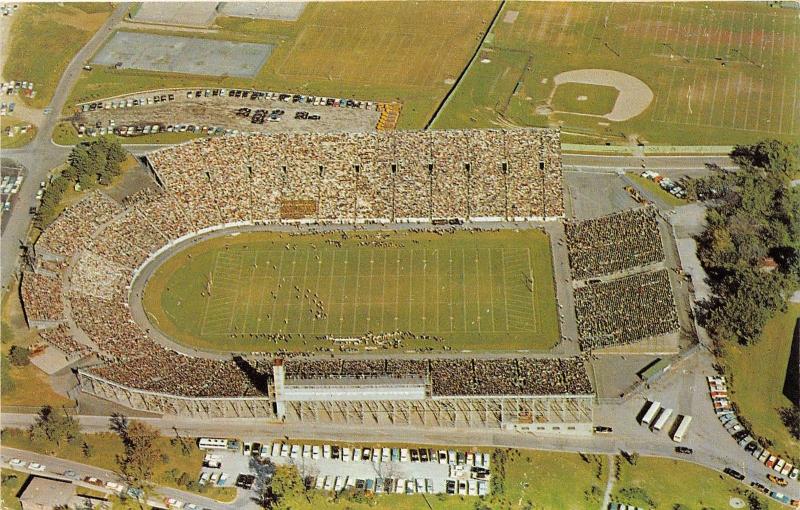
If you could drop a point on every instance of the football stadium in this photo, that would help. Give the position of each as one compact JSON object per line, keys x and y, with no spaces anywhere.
{"x":393,"y":277}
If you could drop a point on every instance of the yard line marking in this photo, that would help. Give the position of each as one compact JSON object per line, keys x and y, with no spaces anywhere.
{"x":302,"y":300}
{"x":714,"y":98}
{"x":344,"y":288}
{"x":752,"y":36}
{"x":355,"y":298}
{"x":410,"y":285}
{"x":478,"y":287}
{"x":794,"y":106}
{"x":248,"y":300}
{"x":233,"y":312}
{"x":491,"y":288}
{"x":464,"y":287}
{"x":783,"y":102}
{"x":383,"y":290}
{"x":451,"y":286}
{"x":262,"y":293}
{"x":730,"y":34}
{"x":771,"y":104}
{"x":724,"y":102}
{"x":505,"y":290}
{"x":669,"y":93}
{"x":329,"y":297}
{"x":703,"y":104}
{"x":747,"y":107}
{"x":438,"y":272}
{"x":758,"y":105}
{"x":397,"y":292}
{"x":208,"y":299}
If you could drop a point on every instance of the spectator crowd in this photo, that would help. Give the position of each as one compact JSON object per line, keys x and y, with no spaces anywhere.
{"x":613,"y":243}
{"x":625,"y":310}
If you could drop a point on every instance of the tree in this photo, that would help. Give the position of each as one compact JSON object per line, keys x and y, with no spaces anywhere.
{"x":791,"y":418}
{"x":141,"y":452}
{"x":54,"y":427}
{"x":19,"y":356}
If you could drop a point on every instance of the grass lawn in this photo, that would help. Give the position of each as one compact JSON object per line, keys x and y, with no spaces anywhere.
{"x":19,"y":139}
{"x":678,"y":50}
{"x":656,"y":190}
{"x":22,"y":386}
{"x":469,"y":289}
{"x":584,"y":98}
{"x":757,"y":375}
{"x":384,"y":51}
{"x":12,"y":483}
{"x":107,"y":446}
{"x":44,"y":38}
{"x":664,"y":484}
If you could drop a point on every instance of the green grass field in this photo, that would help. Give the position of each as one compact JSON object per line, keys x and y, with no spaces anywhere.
{"x":18,"y":139}
{"x":757,"y":375}
{"x":469,"y":289}
{"x":585,"y":99}
{"x":44,"y":37}
{"x":665,"y":484}
{"x":678,"y":50}
{"x":373,"y":51}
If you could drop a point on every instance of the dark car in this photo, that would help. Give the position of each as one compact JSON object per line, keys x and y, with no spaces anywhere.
{"x":734,"y":474}
{"x":684,"y":450}
{"x":451,"y":487}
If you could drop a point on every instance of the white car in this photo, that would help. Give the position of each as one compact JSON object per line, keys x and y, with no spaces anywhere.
{"x":347,"y":454}
{"x":35,"y":466}
{"x":316,"y":452}
{"x":18,"y":463}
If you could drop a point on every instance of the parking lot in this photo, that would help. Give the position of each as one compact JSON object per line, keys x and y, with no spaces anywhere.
{"x":333,"y":468}
{"x":224,"y":111}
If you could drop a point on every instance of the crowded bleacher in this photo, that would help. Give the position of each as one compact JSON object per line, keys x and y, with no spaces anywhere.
{"x":384,"y":176}
{"x":613,"y":243}
{"x":625,"y":310}
{"x":459,"y":377}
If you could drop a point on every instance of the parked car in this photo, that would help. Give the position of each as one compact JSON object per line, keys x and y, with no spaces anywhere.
{"x":684,"y":450}
{"x":777,"y":480}
{"x":734,"y":474}
{"x":35,"y":466}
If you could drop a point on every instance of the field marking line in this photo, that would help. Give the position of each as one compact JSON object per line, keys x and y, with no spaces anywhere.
{"x":410,"y":285}
{"x":654,"y":47}
{"x":355,"y":297}
{"x":450,"y":287}
{"x":783,"y":103}
{"x":478,"y":287}
{"x":262,"y":299}
{"x":329,"y":296}
{"x":697,"y":36}
{"x":669,"y":93}
{"x":208,"y":298}
{"x":236,"y":301}
{"x":369,"y":301}
{"x":248,"y":299}
{"x":344,"y":288}
{"x":730,"y":33}
{"x":302,"y":300}
{"x":438,"y":272}
{"x":752,"y":37}
{"x":689,"y":98}
{"x":747,"y":109}
{"x":594,"y":31}
{"x":702,"y":108}
{"x":491,"y":287}
{"x":276,"y":290}
{"x":397,"y":292}
{"x":651,"y":5}
{"x":736,"y":100}
{"x":714,"y":98}
{"x":383,"y":290}
{"x":291,"y":284}
{"x":724,"y":102}
{"x":741,"y":40}
{"x":464,"y":287}
{"x":772,"y":105}
{"x":772,"y":43}
{"x":783,"y":39}
{"x":718,"y":36}
{"x":505,"y":291}
{"x":794,"y":105}
{"x":758,"y":105}
{"x":316,"y":285}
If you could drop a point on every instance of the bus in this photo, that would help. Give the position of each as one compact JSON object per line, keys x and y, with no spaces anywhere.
{"x":648,"y":417}
{"x":210,"y":443}
{"x":680,"y":432}
{"x":662,"y":420}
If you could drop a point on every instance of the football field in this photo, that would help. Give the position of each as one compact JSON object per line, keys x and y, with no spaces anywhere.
{"x":491,"y":290}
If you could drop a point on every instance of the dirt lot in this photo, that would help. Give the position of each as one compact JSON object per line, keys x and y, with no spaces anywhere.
{"x":221,"y":112}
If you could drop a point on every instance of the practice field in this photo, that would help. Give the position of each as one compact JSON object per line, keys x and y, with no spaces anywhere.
{"x":409,"y":52}
{"x":722,"y":73}
{"x":479,"y":291}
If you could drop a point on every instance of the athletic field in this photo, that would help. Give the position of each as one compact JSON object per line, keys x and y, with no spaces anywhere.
{"x":720,"y":73}
{"x":480,"y":291}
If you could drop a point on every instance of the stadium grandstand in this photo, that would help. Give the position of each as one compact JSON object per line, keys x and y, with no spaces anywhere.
{"x":83,"y":264}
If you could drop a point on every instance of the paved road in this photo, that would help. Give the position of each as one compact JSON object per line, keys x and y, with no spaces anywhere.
{"x":41,"y":155}
{"x":56,"y":467}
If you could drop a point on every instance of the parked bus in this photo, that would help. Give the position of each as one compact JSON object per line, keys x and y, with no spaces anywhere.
{"x":650,"y":415}
{"x":662,"y":420}
{"x":210,"y":443}
{"x":680,"y":432}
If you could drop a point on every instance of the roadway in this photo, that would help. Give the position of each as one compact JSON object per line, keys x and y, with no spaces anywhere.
{"x":55,"y":468}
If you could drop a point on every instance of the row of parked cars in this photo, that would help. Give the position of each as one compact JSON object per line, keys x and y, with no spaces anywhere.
{"x":126,"y":103}
{"x":353,"y":454}
{"x":665,"y":183}
{"x":718,"y":390}
{"x":153,"y":129}
{"x":279,"y":96}
{"x":24,"y":88}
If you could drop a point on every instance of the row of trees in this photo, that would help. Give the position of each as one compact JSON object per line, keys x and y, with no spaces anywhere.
{"x":90,"y":164}
{"x":751,"y":244}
